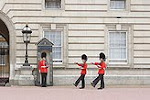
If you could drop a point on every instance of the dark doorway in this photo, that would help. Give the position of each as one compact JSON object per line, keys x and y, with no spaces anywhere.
{"x":4,"y":54}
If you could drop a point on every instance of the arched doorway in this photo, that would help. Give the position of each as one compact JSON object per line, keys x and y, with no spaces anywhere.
{"x":7,"y":31}
{"x":4,"y":54}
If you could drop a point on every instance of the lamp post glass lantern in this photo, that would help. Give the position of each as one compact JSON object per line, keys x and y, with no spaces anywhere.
{"x":26,"y":38}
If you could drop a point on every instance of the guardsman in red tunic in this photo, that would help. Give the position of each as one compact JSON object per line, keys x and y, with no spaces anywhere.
{"x":101,"y":72}
{"x":43,"y":69}
{"x":83,"y":68}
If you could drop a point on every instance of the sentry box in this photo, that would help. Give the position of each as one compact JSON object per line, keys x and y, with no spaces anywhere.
{"x":44,"y":45}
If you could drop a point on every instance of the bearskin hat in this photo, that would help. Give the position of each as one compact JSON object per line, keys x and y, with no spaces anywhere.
{"x":84,"y":57}
{"x":43,"y":55}
{"x":102,"y":56}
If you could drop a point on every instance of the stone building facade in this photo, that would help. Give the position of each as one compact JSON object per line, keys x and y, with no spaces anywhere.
{"x":119,"y":28}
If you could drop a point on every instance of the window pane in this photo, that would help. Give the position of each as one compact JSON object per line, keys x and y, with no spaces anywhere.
{"x":57,"y":52}
{"x":117,"y":4}
{"x":117,"y":45}
{"x":53,"y":3}
{"x":55,"y":37}
{"x":3,"y":56}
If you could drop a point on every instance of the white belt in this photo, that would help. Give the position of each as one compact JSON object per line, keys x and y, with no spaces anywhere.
{"x":43,"y":66}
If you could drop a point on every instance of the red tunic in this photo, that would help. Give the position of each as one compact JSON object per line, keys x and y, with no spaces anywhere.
{"x":102,"y":67}
{"x":84,"y":70}
{"x":43,"y":69}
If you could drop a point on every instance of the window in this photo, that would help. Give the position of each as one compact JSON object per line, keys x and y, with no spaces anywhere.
{"x":117,"y":4}
{"x":52,"y":3}
{"x":3,"y":57}
{"x":56,"y":38}
{"x":3,"y":52}
{"x":117,"y":47}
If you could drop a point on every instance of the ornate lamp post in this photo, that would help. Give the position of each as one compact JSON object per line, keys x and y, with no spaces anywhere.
{"x":26,"y":38}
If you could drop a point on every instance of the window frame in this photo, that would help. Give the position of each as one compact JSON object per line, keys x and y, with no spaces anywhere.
{"x":61,"y":32}
{"x":118,"y":9}
{"x":61,"y":8}
{"x":127,"y":59}
{"x":127,"y":9}
{"x":5,"y":61}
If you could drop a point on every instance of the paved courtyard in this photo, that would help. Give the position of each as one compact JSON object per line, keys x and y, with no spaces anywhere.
{"x":71,"y":93}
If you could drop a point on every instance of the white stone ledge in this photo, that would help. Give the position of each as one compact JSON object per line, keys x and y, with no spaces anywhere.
{"x":109,"y":79}
{"x":105,"y":75}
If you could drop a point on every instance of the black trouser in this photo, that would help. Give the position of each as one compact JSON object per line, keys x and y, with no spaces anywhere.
{"x":81,"y":78}
{"x":44,"y":78}
{"x":100,"y":77}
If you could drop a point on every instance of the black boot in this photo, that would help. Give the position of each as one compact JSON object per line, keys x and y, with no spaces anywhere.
{"x":93,"y":85}
{"x":74,"y":84}
{"x":100,"y":88}
{"x":81,"y":88}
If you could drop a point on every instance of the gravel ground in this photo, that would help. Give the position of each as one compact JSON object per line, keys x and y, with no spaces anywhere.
{"x":72,"y":93}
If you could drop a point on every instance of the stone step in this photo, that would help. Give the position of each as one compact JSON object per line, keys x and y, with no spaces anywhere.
{"x":109,"y":79}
